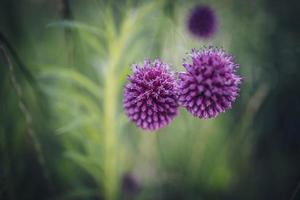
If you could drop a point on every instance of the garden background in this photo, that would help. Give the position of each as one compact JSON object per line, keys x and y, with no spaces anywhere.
{"x":64,"y":133}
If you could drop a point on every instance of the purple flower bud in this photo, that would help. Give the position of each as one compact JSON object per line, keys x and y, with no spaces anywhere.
{"x":210,"y":84}
{"x":202,"y":22}
{"x":130,"y":185}
{"x":150,"y":96}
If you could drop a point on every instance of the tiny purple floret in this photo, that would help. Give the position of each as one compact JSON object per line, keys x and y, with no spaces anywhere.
{"x":210,"y":84}
{"x":150,"y":96}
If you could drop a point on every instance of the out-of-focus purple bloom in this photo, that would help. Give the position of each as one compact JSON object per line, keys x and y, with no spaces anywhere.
{"x":150,"y":96}
{"x":210,"y":84}
{"x":202,"y":22}
{"x":130,"y":185}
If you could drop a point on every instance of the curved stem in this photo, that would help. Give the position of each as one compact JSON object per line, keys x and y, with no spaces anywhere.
{"x":27,"y":115}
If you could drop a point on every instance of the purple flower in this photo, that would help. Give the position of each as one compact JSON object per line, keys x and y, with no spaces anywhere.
{"x":130,"y":185}
{"x":150,"y":96}
{"x":210,"y":84}
{"x":202,"y":22}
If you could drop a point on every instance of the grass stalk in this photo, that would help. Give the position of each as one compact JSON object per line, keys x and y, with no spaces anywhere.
{"x":27,"y":115}
{"x":110,"y":138}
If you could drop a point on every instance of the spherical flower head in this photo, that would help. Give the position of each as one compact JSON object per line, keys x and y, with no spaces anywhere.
{"x":150,"y":96}
{"x":210,"y":84}
{"x":202,"y":22}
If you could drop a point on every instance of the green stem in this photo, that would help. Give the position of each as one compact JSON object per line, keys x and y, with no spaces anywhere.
{"x":110,"y":138}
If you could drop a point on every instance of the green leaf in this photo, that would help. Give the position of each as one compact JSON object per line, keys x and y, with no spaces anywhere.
{"x":77,"y":25}
{"x":76,"y":77}
{"x":92,"y":166}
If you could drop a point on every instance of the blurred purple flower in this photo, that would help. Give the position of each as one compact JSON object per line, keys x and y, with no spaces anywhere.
{"x":150,"y":97}
{"x":202,"y":22}
{"x":210,"y":84}
{"x":130,"y":185}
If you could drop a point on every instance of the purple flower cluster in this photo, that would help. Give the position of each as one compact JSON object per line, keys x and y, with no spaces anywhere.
{"x":208,"y":87}
{"x":150,"y":97}
{"x":202,"y":22}
{"x":210,"y":84}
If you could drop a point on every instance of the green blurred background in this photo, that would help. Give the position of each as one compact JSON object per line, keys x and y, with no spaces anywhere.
{"x":64,"y":134}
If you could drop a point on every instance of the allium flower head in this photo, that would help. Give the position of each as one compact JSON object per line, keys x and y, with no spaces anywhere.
{"x":150,"y":96}
{"x":202,"y":22}
{"x":130,"y":185}
{"x":210,"y":84}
